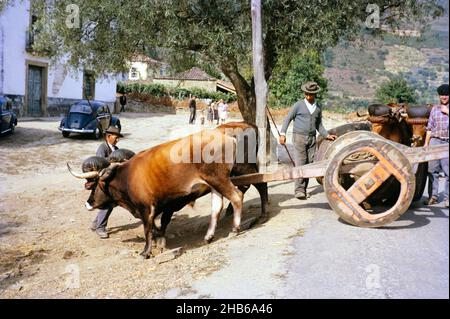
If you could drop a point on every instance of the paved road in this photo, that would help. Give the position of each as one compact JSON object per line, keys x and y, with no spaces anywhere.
{"x":407,"y":259}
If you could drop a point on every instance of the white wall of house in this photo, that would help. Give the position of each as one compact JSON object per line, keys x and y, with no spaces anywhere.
{"x":14,"y":23}
{"x":145,"y":71}
{"x":140,"y":70}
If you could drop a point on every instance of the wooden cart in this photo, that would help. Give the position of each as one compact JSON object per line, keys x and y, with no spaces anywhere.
{"x":370,"y":159}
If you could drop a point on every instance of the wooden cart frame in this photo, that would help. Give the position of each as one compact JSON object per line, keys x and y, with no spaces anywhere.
{"x":382,"y":159}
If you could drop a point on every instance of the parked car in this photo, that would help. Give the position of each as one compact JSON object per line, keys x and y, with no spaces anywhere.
{"x":8,"y":119}
{"x":88,"y":117}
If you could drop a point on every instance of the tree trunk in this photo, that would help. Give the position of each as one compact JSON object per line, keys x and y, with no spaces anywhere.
{"x":245,"y":93}
{"x":247,"y":106}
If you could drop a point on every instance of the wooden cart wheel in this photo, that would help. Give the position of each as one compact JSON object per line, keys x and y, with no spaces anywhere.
{"x":391,"y":162}
{"x":347,"y":139}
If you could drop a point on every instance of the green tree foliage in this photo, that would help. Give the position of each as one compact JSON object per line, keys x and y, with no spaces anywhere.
{"x":111,"y":32}
{"x":289,"y":76}
{"x":396,"y":90}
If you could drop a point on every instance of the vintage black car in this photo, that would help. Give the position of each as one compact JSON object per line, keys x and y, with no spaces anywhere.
{"x":88,"y":117}
{"x":8,"y":120}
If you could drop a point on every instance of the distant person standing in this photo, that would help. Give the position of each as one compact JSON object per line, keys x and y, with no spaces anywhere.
{"x":223,"y":111}
{"x":123,"y":102}
{"x":216,"y":112}
{"x":437,"y":134}
{"x":192,"y":109}
{"x":202,"y":116}
{"x":210,"y":114}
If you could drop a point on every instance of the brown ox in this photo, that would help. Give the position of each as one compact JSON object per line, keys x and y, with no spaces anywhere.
{"x":403,"y":124}
{"x":417,"y":118}
{"x":161,"y":180}
{"x":387,"y":121}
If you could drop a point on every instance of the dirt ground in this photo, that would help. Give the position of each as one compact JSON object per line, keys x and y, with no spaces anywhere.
{"x":48,"y":251}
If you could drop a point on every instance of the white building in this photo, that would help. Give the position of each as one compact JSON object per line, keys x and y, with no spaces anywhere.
{"x":143,"y":68}
{"x":36,"y":87}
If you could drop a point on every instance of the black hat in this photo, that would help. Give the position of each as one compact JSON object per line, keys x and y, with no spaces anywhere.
{"x":114,"y":131}
{"x":443,"y":89}
{"x":311,"y":87}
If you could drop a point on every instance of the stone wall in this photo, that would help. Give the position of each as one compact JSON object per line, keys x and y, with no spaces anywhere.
{"x":55,"y":106}
{"x":142,"y":107}
{"x":59,"y":106}
{"x":17,"y":103}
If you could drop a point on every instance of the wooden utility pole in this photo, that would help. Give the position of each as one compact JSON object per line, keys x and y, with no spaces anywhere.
{"x":260,"y":82}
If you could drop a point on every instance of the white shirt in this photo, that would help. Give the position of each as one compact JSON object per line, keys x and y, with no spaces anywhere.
{"x":111,"y":147}
{"x":311,"y":107}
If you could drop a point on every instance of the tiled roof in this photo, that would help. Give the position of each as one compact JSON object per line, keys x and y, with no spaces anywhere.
{"x":192,"y":74}
{"x":226,"y":86}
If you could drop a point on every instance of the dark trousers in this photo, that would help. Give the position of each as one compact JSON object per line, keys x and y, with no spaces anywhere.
{"x":304,"y":150}
{"x":122,"y":108}
{"x":216,"y":116}
{"x":434,"y":168}
{"x":192,"y":116}
{"x":102,"y":218}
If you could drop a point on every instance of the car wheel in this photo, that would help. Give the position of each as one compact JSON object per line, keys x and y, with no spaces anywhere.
{"x":65,"y":134}
{"x":12,"y":127}
{"x":97,"y":133}
{"x":118,"y":125}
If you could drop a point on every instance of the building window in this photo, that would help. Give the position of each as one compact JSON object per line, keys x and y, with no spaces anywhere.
{"x":134,"y":73}
{"x":31,"y":33}
{"x":88,"y":86}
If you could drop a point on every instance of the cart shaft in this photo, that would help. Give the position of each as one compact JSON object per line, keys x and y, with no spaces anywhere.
{"x":414,"y":155}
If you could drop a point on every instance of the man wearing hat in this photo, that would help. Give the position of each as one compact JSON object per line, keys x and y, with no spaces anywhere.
{"x":112,"y":135}
{"x":437,"y":133}
{"x":307,"y":117}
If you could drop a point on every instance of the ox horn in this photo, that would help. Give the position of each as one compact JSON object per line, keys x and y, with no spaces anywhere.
{"x":83,"y":175}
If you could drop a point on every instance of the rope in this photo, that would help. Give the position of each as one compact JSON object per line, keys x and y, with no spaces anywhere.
{"x":285,"y":146}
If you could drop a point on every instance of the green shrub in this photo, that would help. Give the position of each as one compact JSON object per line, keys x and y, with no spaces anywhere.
{"x":396,"y":90}
{"x":159,"y":90}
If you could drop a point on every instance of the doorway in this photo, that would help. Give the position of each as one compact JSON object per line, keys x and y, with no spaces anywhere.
{"x":34,"y":90}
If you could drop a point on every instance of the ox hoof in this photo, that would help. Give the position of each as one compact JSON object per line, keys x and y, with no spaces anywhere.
{"x":208,"y":239}
{"x":263,"y":219}
{"x":145,"y":255}
{"x":156,"y":232}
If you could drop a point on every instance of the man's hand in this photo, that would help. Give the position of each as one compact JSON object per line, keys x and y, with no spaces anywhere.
{"x":444,"y":109}
{"x":282,"y":139}
{"x":331,"y":137}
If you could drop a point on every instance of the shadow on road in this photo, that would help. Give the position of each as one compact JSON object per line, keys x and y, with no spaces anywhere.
{"x":416,"y":216}
{"x":114,"y":230}
{"x":419,"y":218}
{"x":188,"y":231}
